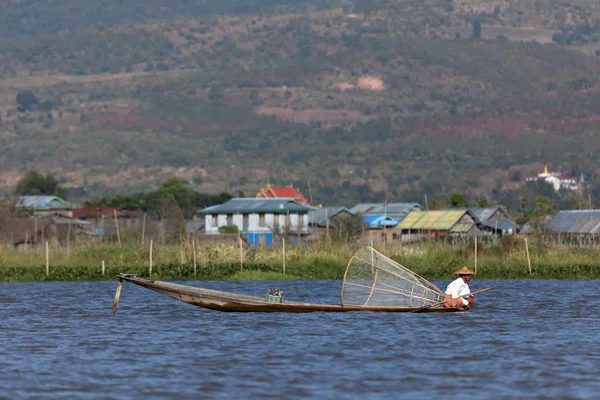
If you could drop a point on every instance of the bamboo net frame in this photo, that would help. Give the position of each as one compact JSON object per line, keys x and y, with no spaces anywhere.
{"x":372,"y":279}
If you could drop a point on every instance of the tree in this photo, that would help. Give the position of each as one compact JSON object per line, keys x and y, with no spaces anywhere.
{"x":26,"y":100}
{"x":346,"y":226}
{"x":458,"y":200}
{"x":229,"y":229}
{"x":34,"y":183}
{"x":483,"y":203}
{"x":171,"y":191}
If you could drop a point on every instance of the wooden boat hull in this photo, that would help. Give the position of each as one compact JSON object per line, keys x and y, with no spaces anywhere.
{"x":233,"y":302}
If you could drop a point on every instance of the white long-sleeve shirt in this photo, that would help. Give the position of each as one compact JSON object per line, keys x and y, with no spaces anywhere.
{"x":458,"y":288}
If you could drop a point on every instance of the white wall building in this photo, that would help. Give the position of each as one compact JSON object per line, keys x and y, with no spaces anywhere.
{"x":557,"y":180}
{"x":259,"y":219}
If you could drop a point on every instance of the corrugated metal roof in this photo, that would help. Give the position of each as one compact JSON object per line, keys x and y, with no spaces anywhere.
{"x":481,"y":213}
{"x":381,"y":208}
{"x":256,"y":205}
{"x":363,"y":208}
{"x":393,"y":208}
{"x":461,"y":228}
{"x":398,"y":211}
{"x":436,"y":220}
{"x":319,"y":217}
{"x":379,"y":221}
{"x":575,"y":221}
{"x":502,"y":224}
{"x":43,"y":202}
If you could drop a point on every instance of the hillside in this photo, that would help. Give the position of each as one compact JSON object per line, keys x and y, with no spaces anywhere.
{"x":368,"y":101}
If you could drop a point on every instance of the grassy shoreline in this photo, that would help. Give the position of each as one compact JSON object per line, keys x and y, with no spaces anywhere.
{"x":504,"y":259}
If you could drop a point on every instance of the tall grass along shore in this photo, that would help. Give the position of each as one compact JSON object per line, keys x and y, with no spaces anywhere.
{"x":507,"y":258}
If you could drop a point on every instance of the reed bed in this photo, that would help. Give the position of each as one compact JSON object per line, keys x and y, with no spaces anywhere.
{"x":496,"y":259}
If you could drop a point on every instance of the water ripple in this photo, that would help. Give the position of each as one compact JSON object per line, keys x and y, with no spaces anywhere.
{"x":526,"y":339}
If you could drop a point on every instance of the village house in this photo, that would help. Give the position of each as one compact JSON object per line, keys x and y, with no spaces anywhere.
{"x":261,"y":220}
{"x":452,"y":222}
{"x":97,"y":218}
{"x":44,"y":205}
{"x":379,"y":228}
{"x":493,"y":220}
{"x":39,"y":230}
{"x":582,"y":225}
{"x":274,"y":192}
{"x":324,"y":219}
{"x":395,"y":210}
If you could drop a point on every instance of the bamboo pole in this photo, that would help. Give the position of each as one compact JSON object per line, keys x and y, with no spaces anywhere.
{"x":384,"y":224}
{"x":150,"y":259}
{"x":35,"y":233}
{"x":283,"y":246}
{"x":144,"y":230}
{"x":69,"y":238}
{"x":475,"y":253}
{"x":241,"y":254}
{"x":439,"y":303}
{"x":47,"y":260}
{"x":117,"y":225}
{"x":194,"y":250}
{"x":528,"y":259}
{"x":117,"y":295}
{"x":103,"y":269}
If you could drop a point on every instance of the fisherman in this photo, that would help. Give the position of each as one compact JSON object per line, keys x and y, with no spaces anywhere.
{"x":458,"y":288}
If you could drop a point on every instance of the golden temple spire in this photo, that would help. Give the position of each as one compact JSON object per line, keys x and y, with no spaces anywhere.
{"x":545,"y":170}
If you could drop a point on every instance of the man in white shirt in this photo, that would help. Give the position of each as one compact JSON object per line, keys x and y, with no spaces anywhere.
{"x":459,"y":287}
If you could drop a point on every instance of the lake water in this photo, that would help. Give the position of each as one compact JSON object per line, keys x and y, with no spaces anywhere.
{"x":524,"y":339}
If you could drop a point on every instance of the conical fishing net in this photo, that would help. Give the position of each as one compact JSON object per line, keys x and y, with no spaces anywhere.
{"x":372,"y":279}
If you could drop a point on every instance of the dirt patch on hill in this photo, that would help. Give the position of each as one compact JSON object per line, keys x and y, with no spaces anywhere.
{"x":363,"y":82}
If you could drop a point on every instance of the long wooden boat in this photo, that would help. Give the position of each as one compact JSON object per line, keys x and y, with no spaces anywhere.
{"x":232,"y":302}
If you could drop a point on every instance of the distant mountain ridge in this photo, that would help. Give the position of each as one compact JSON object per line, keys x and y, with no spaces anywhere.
{"x":361,"y":102}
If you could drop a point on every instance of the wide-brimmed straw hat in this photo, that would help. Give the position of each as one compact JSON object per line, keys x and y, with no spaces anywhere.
{"x":464,"y":271}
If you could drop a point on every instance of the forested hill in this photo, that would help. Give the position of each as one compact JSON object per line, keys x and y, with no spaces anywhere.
{"x":22,"y":19}
{"x":370,"y":100}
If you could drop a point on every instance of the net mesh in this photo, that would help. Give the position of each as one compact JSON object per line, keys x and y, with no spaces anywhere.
{"x":372,"y":279}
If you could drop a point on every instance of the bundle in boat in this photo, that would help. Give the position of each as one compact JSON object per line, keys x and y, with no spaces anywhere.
{"x":372,"y":279}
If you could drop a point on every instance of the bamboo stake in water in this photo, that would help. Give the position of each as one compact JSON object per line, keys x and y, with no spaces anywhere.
{"x":47,"y":260}
{"x":117,"y":295}
{"x":117,"y":225}
{"x":150,"y":269}
{"x":283,"y":244}
{"x":528,"y":259}
{"x":103,"y":269}
{"x":194,"y":250}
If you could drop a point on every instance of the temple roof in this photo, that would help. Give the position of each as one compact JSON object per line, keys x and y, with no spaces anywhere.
{"x":271,"y":192}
